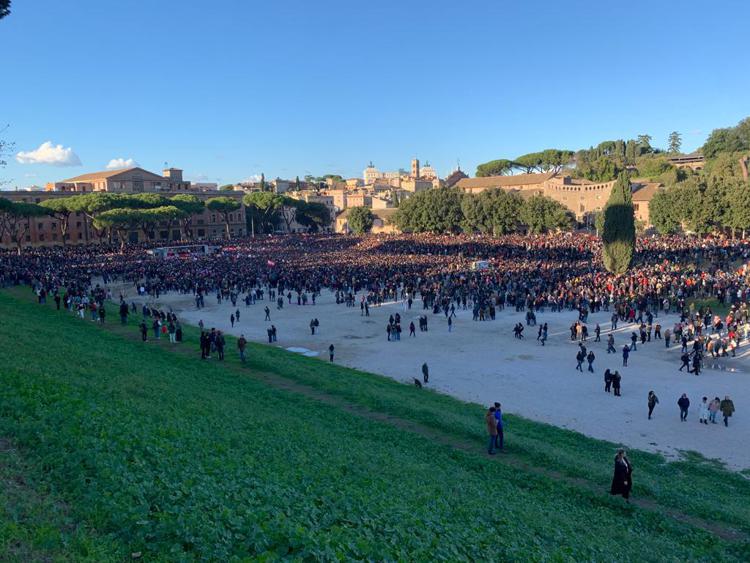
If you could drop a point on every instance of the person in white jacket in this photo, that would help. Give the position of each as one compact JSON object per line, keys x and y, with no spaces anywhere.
{"x":703,"y":419}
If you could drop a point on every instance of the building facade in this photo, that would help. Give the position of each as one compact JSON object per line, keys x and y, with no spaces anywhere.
{"x":48,"y":230}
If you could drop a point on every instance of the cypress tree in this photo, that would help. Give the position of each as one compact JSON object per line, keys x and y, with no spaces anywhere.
{"x":618,"y":234}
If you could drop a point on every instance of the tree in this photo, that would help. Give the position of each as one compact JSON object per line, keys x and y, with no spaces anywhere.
{"x":5,"y":206}
{"x":150,"y":218}
{"x":4,"y":8}
{"x":653,"y":166}
{"x":631,"y":151}
{"x":492,"y":211}
{"x":61,"y":209}
{"x":644,"y":141}
{"x":224,"y":206}
{"x":528,"y":163}
{"x":541,"y":214}
{"x":262,"y":207}
{"x":313,"y":215}
{"x":737,"y":216}
{"x":262,"y":182}
{"x":675,"y":142}
{"x":297,"y":184}
{"x":663,"y":213}
{"x":191,"y":205}
{"x":360,"y":220}
{"x":120,"y":221}
{"x":18,"y":216}
{"x":433,"y":211}
{"x":227,"y":188}
{"x":495,"y":168}
{"x":618,"y":235}
{"x":729,"y":140}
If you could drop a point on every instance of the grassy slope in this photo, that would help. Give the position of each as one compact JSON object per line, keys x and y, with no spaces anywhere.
{"x":158,"y":452}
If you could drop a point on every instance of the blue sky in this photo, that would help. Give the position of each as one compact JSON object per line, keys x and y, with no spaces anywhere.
{"x":229,"y":89}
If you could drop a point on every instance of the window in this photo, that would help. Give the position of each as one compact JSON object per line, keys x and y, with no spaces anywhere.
{"x":80,"y":236}
{"x":201,"y":232}
{"x":201,"y":222}
{"x":54,"y":236}
{"x":78,"y":224}
{"x":54,"y":226}
{"x":163,"y":234}
{"x":28,"y":238}
{"x":41,"y":237}
{"x":41,"y":226}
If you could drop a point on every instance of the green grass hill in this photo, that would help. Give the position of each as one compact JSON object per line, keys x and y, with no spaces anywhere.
{"x":113,"y":449}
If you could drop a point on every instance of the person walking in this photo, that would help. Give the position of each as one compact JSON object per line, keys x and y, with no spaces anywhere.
{"x":713,"y":409}
{"x":171,"y":329}
{"x":607,"y":381}
{"x":220,"y":342}
{"x":616,"y":383}
{"x":727,"y":409}
{"x":590,"y":359}
{"x":499,"y":441}
{"x":667,"y":337}
{"x":696,"y":364}
{"x":124,"y":311}
{"x":450,"y":324}
{"x":684,"y":403}
{"x":268,"y":313}
{"x":331,"y":349}
{"x":685,"y":358}
{"x":144,"y":331}
{"x":241,"y":345}
{"x":622,"y":480}
{"x":653,"y":400}
{"x":580,"y":356}
{"x":703,"y":411}
{"x":625,"y":354}
{"x":611,"y":344}
{"x":491,"y":423}
{"x":205,"y":346}
{"x":231,"y":319}
{"x":425,"y":372}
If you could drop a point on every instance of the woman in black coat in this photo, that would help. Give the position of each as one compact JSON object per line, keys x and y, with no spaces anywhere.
{"x":622,"y":481}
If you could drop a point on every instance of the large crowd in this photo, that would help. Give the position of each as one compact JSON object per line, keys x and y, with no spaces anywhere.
{"x":534,"y":273}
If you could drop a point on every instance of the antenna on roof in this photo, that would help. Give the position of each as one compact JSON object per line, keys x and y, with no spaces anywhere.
{"x":458,"y":164}
{"x":166,"y":164}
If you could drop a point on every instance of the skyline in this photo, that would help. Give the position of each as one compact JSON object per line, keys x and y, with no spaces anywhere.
{"x":237,"y":91}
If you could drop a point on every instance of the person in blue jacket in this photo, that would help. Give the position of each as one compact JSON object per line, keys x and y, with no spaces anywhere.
{"x":499,"y":417}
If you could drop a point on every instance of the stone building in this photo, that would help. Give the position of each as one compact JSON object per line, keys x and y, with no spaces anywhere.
{"x":47,"y":230}
{"x":126,"y":180}
{"x":582,"y":197}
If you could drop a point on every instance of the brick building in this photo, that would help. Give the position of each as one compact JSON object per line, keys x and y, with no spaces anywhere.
{"x":47,"y":230}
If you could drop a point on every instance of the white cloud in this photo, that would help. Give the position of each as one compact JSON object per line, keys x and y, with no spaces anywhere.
{"x":47,"y":153}
{"x":117,"y":163}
